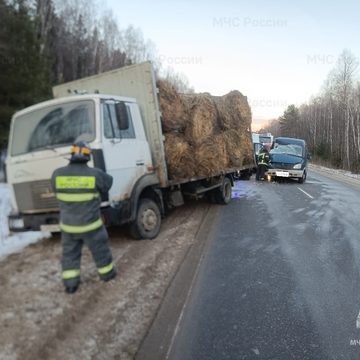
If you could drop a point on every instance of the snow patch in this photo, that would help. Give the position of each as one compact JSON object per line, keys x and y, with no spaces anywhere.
{"x":337,"y":171}
{"x":11,"y":243}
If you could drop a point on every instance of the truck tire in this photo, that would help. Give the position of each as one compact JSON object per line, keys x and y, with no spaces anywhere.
{"x":223,"y":193}
{"x":148,"y":220}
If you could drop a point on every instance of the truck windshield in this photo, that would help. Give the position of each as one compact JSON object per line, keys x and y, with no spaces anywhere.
{"x":53,"y":126}
{"x":265,"y":139}
{"x":290,"y":149}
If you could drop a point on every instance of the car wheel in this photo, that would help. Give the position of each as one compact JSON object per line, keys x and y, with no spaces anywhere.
{"x":303,"y":178}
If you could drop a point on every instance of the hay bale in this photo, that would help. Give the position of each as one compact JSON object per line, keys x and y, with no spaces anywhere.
{"x":179,"y":157}
{"x":203,"y":118}
{"x":173,"y":107}
{"x":232,"y":139}
{"x":234,"y":111}
{"x":239,"y":147}
{"x":211,"y":156}
{"x":224,"y":118}
{"x":247,"y":147}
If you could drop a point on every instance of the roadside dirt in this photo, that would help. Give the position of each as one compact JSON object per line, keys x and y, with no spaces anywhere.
{"x":101,"y":321}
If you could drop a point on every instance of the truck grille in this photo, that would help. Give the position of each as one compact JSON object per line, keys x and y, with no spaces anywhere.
{"x":277,"y":165}
{"x":35,"y":195}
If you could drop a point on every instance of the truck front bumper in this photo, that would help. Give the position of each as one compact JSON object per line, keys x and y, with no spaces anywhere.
{"x":34,"y":222}
{"x":50,"y":221}
{"x":288,"y":173}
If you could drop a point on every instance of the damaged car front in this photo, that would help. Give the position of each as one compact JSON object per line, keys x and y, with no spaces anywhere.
{"x":288,"y":159}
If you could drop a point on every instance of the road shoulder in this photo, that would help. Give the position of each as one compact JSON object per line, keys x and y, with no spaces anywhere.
{"x":159,"y":339}
{"x":335,"y":175}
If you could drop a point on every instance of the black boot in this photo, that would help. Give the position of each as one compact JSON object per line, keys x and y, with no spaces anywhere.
{"x":71,"y":289}
{"x":71,"y":285}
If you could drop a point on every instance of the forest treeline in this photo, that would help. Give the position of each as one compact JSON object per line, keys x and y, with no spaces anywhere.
{"x":329,"y":122}
{"x":47,"y":42}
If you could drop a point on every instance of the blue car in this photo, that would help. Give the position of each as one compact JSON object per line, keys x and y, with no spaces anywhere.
{"x":288,"y":159}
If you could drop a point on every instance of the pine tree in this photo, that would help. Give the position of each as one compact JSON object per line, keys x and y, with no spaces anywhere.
{"x":289,"y":121}
{"x":24,"y":71}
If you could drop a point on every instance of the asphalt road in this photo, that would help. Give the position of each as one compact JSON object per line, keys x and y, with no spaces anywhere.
{"x":279,"y":277}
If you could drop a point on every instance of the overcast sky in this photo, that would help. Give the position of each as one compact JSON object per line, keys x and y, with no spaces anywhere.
{"x":275,"y":52}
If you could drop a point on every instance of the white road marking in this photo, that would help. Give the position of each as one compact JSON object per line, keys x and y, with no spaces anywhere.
{"x":358,"y":321}
{"x":311,"y":197}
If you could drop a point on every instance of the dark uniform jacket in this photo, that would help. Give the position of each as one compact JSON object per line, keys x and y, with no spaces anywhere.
{"x":79,"y":189}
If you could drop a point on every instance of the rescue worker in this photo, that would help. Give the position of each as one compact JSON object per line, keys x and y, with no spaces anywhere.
{"x":263,"y":161}
{"x":79,"y":190}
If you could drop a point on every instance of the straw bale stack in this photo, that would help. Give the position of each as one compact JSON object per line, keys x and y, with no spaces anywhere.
{"x":204,"y":134}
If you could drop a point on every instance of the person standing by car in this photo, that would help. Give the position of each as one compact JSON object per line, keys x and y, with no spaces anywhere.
{"x":263,"y":162}
{"x":79,"y":190}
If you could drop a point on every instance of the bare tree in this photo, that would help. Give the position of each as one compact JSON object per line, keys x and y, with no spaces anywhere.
{"x":44,"y":21}
{"x":179,"y":80}
{"x":330,"y":121}
{"x":343,"y":78}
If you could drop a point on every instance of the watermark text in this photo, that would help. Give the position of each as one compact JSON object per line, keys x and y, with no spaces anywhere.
{"x":247,"y":22}
{"x":181,"y":60}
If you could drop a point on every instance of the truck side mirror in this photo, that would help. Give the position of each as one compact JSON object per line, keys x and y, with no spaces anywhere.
{"x":122,"y":118}
{"x":308,"y":156}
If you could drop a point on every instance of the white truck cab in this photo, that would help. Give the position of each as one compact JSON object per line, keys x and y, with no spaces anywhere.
{"x":40,"y":142}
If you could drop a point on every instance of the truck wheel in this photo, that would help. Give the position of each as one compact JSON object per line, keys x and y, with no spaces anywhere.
{"x":223,"y":193}
{"x":148,"y":220}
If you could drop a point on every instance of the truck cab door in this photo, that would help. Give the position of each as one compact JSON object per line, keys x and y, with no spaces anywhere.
{"x":124,"y":151}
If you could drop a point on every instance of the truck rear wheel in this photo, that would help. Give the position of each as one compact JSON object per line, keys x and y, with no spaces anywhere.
{"x":148,"y":220}
{"x":223,"y":193}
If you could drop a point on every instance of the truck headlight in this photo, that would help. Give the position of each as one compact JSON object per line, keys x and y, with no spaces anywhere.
{"x":297,"y":166}
{"x":16,"y":223}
